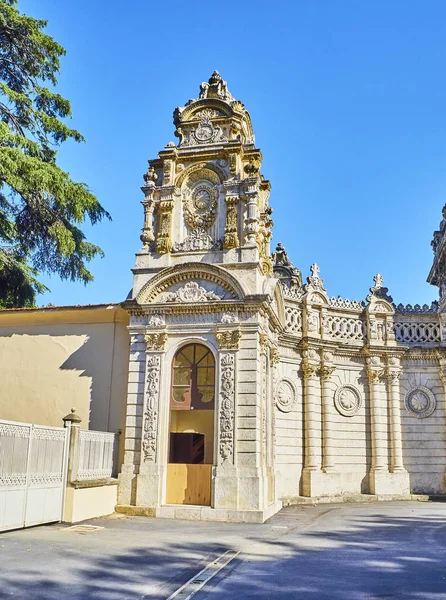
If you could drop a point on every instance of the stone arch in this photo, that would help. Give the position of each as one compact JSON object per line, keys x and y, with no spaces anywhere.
{"x":202,"y":166}
{"x":190,"y":272}
{"x":188,"y":114}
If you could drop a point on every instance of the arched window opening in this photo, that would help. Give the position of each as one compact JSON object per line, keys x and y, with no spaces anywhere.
{"x":193,"y":379}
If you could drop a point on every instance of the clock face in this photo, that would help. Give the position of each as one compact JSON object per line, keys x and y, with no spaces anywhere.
{"x":204,"y":133}
{"x":202,"y":199}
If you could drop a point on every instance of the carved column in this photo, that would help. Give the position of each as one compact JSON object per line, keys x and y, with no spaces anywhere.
{"x":252,"y":209}
{"x":327,"y":416}
{"x":150,"y":478}
{"x":378,"y":428}
{"x":396,"y":450}
{"x":147,"y":235}
{"x":164,"y":235}
{"x":231,"y":239}
{"x":225,"y":482}
{"x":264,"y":394}
{"x":312,"y":417}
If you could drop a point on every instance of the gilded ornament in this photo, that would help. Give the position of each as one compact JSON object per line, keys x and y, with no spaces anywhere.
{"x":155,"y":341}
{"x":228,"y":340}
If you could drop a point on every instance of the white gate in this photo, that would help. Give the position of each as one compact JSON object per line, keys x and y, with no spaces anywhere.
{"x":32,"y":474}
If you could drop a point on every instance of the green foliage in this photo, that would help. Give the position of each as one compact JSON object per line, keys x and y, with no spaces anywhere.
{"x":41,"y":207}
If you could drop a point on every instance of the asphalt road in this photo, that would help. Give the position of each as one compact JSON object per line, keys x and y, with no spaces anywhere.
{"x":377,"y":551}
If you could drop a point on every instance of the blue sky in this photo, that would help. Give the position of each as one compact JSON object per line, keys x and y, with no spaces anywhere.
{"x":347,"y":99}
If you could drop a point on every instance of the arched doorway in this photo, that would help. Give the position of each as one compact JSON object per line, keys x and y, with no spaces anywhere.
{"x":191,"y":426}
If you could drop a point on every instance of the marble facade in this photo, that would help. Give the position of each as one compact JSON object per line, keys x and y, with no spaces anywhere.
{"x":315,"y":396}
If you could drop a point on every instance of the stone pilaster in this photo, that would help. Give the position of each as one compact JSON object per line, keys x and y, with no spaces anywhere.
{"x":164,"y":242}
{"x":252,"y":211}
{"x":225,"y":480}
{"x":312,"y":410}
{"x":328,"y":463}
{"x":149,"y":482}
{"x":231,"y":239}
{"x":134,"y":417}
{"x":381,"y":481}
{"x":377,"y":416}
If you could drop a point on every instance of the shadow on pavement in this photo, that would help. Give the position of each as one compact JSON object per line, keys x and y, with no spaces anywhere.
{"x":371,"y":556}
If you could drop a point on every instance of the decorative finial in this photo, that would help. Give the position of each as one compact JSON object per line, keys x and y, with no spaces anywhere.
{"x":280,"y":256}
{"x":314,"y":281}
{"x":378,"y":279}
{"x":215,"y":88}
{"x":378,"y":290}
{"x":215,"y":78}
{"x":315,"y":270}
{"x":150,"y":177}
{"x":72,"y":418}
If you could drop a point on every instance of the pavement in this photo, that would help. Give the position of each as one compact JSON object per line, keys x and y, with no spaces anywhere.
{"x":377,"y":551}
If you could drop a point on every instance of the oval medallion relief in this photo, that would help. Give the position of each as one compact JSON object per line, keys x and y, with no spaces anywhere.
{"x":347,"y":400}
{"x":286,"y":395}
{"x":420,"y":402}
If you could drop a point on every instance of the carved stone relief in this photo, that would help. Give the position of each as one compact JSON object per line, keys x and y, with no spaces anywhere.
{"x":228,"y":340}
{"x":196,"y":241}
{"x":155,"y":341}
{"x":420,"y":402}
{"x":286,"y":395}
{"x":347,"y":400}
{"x":156,"y":321}
{"x":205,"y":133}
{"x":191,"y":292}
{"x":151,"y":409}
{"x":227,"y":408}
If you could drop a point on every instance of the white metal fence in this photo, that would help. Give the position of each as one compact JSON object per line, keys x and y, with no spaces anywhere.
{"x":97,"y":455}
{"x":32,"y":474}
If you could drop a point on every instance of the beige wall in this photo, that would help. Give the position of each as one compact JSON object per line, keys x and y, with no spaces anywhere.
{"x":89,"y":502}
{"x":53,"y":359}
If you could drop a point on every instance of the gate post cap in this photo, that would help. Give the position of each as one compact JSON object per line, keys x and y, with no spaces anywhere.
{"x":72,"y":417}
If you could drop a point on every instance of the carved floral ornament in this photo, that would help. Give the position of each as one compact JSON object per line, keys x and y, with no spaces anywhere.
{"x":155,"y":341}
{"x":420,"y":402}
{"x":219,"y":279}
{"x":286,"y":395}
{"x":228,"y":340}
{"x":347,"y":400}
{"x":150,"y":428}
{"x":191,"y":292}
{"x":227,"y":408}
{"x":200,"y":192}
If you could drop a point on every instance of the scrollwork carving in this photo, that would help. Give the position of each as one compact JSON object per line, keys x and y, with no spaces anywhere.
{"x":191,"y":292}
{"x":149,"y":445}
{"x":227,"y":408}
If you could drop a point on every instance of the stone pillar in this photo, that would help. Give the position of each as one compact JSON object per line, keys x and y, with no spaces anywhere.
{"x":149,"y":482}
{"x":377,"y":421}
{"x":231,"y":239}
{"x":164,"y":242}
{"x":312,"y":410}
{"x":252,"y":210}
{"x":327,"y":416}
{"x":225,"y":480}
{"x":73,"y":423}
{"x":396,"y":451}
{"x":381,"y":481}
